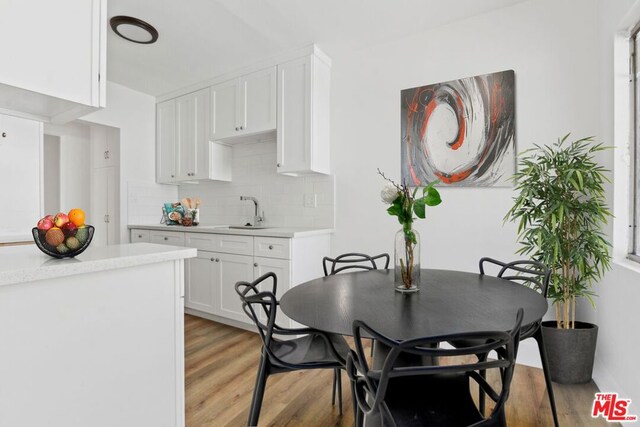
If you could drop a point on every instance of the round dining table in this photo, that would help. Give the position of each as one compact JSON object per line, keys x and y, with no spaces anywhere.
{"x":448,"y":302}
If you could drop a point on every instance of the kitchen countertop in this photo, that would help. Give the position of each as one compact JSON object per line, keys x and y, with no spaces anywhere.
{"x":19,"y":264}
{"x":286,"y":232}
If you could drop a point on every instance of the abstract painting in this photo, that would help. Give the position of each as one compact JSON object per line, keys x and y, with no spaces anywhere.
{"x":460,"y":132}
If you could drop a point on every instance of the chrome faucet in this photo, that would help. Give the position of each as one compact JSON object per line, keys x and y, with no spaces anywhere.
{"x":257,"y":219}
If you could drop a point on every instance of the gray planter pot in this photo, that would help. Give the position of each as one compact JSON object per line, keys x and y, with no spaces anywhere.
{"x":570,"y":352}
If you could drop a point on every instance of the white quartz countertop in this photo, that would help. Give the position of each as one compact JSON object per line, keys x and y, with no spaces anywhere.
{"x":19,"y":264}
{"x":287,"y":232}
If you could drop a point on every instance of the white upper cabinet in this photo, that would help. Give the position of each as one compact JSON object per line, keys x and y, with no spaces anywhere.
{"x":166,"y":141}
{"x":54,"y":58}
{"x":244,"y":106}
{"x":303,"y":115}
{"x":224,"y":109}
{"x":184,"y":152}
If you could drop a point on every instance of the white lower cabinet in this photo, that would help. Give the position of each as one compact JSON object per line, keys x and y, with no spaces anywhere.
{"x":282,"y":269}
{"x":232,"y":269}
{"x":225,"y":259}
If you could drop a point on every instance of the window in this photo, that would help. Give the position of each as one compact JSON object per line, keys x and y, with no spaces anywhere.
{"x":634,"y":225}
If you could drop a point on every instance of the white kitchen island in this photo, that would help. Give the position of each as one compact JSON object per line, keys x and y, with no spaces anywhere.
{"x":96,"y":340}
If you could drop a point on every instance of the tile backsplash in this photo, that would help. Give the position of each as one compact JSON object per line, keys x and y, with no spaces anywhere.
{"x":281,"y":197}
{"x":145,"y":200}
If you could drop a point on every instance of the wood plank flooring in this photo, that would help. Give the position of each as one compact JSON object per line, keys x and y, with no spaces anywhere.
{"x":221,"y":363}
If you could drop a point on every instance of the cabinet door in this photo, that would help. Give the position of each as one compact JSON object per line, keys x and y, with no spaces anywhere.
{"x":225,"y":109}
{"x":294,"y":115}
{"x":166,"y":141}
{"x":99,"y":206}
{"x":200,"y":149}
{"x":200,"y":274}
{"x":104,"y":146}
{"x":99,"y":146}
{"x":185,"y":135}
{"x":232,"y":269}
{"x":258,"y":102}
{"x":21,"y":176}
{"x":282,"y":269}
{"x":104,"y":209}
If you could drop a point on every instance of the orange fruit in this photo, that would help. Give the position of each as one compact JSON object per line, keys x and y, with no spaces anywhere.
{"x":76,"y":216}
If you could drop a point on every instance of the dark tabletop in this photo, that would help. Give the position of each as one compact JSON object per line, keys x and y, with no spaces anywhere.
{"x":448,"y":302}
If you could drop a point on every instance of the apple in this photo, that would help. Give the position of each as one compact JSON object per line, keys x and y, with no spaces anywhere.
{"x":54,"y":237}
{"x":45,"y":223}
{"x":69,"y":229}
{"x":60,"y":219}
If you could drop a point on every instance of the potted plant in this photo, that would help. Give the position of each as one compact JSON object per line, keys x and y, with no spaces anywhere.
{"x":560,"y":210}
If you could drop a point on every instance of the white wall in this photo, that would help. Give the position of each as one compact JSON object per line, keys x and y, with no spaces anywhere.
{"x":74,"y":165}
{"x":281,"y":197}
{"x":134,"y":114}
{"x":616,"y":366}
{"x":549,"y":44}
{"x":51,"y":167}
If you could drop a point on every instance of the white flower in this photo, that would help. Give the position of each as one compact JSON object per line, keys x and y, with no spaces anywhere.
{"x":389,"y":193}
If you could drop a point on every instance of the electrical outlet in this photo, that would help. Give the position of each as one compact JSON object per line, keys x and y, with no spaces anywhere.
{"x":310,"y":200}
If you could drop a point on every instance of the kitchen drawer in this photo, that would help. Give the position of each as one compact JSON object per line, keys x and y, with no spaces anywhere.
{"x":272,"y":247}
{"x":227,"y":243}
{"x":174,"y":238}
{"x":138,"y":236}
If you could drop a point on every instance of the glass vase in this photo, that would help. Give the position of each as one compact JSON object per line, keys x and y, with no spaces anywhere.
{"x":407,"y":261}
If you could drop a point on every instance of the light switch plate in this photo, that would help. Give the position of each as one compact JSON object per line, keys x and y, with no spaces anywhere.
{"x":310,"y":200}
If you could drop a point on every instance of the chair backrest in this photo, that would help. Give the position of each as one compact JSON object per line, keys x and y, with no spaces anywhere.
{"x":532,"y":274}
{"x":353,"y":261}
{"x":371,"y":386}
{"x":254,"y":300}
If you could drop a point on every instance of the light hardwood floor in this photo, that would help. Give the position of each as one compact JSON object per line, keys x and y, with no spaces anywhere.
{"x":221,"y":363}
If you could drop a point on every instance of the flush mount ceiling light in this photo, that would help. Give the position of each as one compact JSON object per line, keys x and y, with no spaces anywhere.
{"x":133,"y":29}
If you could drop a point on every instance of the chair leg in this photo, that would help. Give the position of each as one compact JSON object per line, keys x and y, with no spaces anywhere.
{"x":334,"y":387}
{"x":481,"y":396}
{"x":258,"y":391}
{"x":339,"y":377}
{"x":547,"y":375}
{"x":354,"y":403}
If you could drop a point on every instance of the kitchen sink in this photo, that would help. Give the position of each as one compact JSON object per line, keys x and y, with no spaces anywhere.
{"x":247,"y":227}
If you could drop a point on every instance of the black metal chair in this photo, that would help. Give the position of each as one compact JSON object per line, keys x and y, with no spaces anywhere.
{"x":353,"y":261}
{"x":433,"y":395}
{"x":314,"y":350}
{"x":534,"y":275}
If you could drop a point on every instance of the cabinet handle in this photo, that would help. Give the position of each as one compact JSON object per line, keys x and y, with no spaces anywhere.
{"x":166,"y":238}
{"x":277,"y":165}
{"x":108,"y":154}
{"x":4,"y":134}
{"x":255,"y":264}
{"x":270,"y":246}
{"x":104,"y":155}
{"x":241,"y":127}
{"x":237,"y":128}
{"x":139,"y":236}
{"x":212,"y":259}
{"x":173,"y":176}
{"x":217,"y":259}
